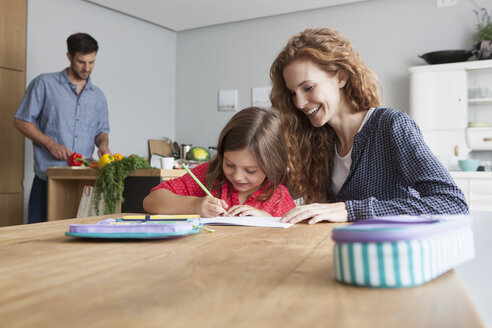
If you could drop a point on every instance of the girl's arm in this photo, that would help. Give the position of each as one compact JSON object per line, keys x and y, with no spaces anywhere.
{"x":164,"y":201}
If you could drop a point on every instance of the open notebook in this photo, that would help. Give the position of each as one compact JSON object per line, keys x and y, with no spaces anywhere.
{"x":253,"y":221}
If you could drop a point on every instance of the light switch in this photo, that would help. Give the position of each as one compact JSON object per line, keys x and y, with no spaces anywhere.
{"x":227,"y":100}
{"x":260,"y":97}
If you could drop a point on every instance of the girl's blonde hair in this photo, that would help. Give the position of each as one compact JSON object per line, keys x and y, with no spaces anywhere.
{"x":260,"y":131}
{"x":311,"y":149}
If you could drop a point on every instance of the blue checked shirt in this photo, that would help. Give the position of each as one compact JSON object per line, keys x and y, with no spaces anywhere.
{"x":52,"y":104}
{"x":394,"y":172}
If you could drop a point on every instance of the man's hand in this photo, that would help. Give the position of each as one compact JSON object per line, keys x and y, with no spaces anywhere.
{"x":59,"y":152}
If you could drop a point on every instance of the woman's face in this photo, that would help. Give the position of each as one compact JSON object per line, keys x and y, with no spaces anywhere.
{"x":242,"y":171}
{"x":314,"y":91}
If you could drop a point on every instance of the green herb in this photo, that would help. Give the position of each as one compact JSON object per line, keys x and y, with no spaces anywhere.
{"x":111,"y":181}
{"x":484,"y":25}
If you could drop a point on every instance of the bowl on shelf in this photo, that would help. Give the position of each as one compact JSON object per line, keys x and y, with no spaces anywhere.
{"x":468,"y":165}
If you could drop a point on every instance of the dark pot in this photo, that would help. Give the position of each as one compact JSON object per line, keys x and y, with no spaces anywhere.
{"x":484,"y":49}
{"x":447,"y":56}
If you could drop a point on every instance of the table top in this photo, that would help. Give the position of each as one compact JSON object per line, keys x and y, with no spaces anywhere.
{"x":233,"y":277}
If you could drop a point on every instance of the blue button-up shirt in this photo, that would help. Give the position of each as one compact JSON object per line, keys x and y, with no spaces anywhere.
{"x":52,"y":104}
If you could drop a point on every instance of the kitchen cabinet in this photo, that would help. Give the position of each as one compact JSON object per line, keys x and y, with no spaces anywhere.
{"x":12,"y":85}
{"x":445,"y":99}
{"x":477,"y":187}
{"x":452,"y":103}
{"x":66,"y":184}
{"x":438,"y":100}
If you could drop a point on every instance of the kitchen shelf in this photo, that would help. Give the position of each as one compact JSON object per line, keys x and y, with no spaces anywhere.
{"x":480,"y":101}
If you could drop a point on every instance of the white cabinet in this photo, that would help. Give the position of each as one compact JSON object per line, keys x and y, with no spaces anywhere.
{"x":477,"y":187}
{"x":445,"y":99}
{"x":438,"y":99}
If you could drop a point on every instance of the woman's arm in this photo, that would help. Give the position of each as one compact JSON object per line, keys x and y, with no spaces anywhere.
{"x":434,"y":191}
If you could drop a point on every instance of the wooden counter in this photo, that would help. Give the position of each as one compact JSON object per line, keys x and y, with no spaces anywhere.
{"x":65,"y":186}
{"x":234,"y":277}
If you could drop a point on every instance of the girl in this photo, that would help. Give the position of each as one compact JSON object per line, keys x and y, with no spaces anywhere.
{"x":349,"y":158}
{"x":245,"y":177}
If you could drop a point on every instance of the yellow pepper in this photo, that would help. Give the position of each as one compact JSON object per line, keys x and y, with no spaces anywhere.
{"x":118,"y":157}
{"x":105,"y":159}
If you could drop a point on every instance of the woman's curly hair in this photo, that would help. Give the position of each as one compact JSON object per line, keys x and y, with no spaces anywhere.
{"x":310,"y":149}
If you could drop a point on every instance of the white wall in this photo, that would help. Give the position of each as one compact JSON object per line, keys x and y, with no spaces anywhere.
{"x":135,"y":68}
{"x":389,"y":34}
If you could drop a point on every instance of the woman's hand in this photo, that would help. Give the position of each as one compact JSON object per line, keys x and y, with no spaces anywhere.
{"x":209,"y":207}
{"x":246,"y":210}
{"x":332,"y":212}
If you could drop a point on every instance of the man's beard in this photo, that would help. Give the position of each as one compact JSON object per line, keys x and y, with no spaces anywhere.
{"x":77,"y":75}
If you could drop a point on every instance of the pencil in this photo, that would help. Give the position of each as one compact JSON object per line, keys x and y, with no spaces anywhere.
{"x":196,"y":180}
{"x":199,"y":183}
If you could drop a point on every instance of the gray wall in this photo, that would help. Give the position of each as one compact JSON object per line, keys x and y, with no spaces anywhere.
{"x":389,"y":34}
{"x":135,"y":68}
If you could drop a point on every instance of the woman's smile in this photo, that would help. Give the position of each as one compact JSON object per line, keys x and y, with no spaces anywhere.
{"x":312,"y":111}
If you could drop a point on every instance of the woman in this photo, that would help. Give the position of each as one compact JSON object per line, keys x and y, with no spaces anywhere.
{"x":349,"y":158}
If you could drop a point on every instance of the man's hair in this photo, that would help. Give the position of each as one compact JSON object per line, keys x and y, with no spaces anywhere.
{"x":81,"y":42}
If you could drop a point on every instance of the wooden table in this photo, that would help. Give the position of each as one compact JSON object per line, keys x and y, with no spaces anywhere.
{"x":65,"y":186}
{"x":234,"y":277}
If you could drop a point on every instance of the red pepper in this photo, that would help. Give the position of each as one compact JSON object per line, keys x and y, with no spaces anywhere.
{"x":75,"y":159}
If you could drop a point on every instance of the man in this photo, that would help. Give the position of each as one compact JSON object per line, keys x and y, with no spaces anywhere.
{"x":63,"y":113}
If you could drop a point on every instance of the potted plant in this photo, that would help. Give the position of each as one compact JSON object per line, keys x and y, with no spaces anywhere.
{"x":482,"y":38}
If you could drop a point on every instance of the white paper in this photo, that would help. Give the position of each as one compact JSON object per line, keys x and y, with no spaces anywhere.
{"x":155,"y":161}
{"x":252,"y":221}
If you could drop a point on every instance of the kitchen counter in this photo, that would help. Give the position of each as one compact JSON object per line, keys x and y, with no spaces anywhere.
{"x":477,"y":187}
{"x":66,"y":184}
{"x":474,"y":174}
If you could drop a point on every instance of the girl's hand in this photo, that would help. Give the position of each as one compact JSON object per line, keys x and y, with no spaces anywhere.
{"x":209,"y":207}
{"x":333,"y":212}
{"x":246,"y":210}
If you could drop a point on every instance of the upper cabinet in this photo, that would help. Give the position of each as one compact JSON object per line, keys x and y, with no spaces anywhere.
{"x":438,"y":100}
{"x":13,"y":34}
{"x":452,"y":103}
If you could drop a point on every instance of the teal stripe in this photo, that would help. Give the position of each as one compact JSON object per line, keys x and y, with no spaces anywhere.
{"x":382,"y":276}
{"x":365,"y":259}
{"x":351,"y":262}
{"x":340,"y":263}
{"x":396,"y":264}
{"x":410,"y":263}
{"x":432,"y":258}
{"x":422,"y":264}
{"x":335,"y":262}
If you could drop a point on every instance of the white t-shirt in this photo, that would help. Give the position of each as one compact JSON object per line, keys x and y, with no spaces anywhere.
{"x":341,"y":165}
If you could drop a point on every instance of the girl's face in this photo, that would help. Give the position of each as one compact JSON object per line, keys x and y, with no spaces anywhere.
{"x":314,"y":91}
{"x":242,"y":171}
